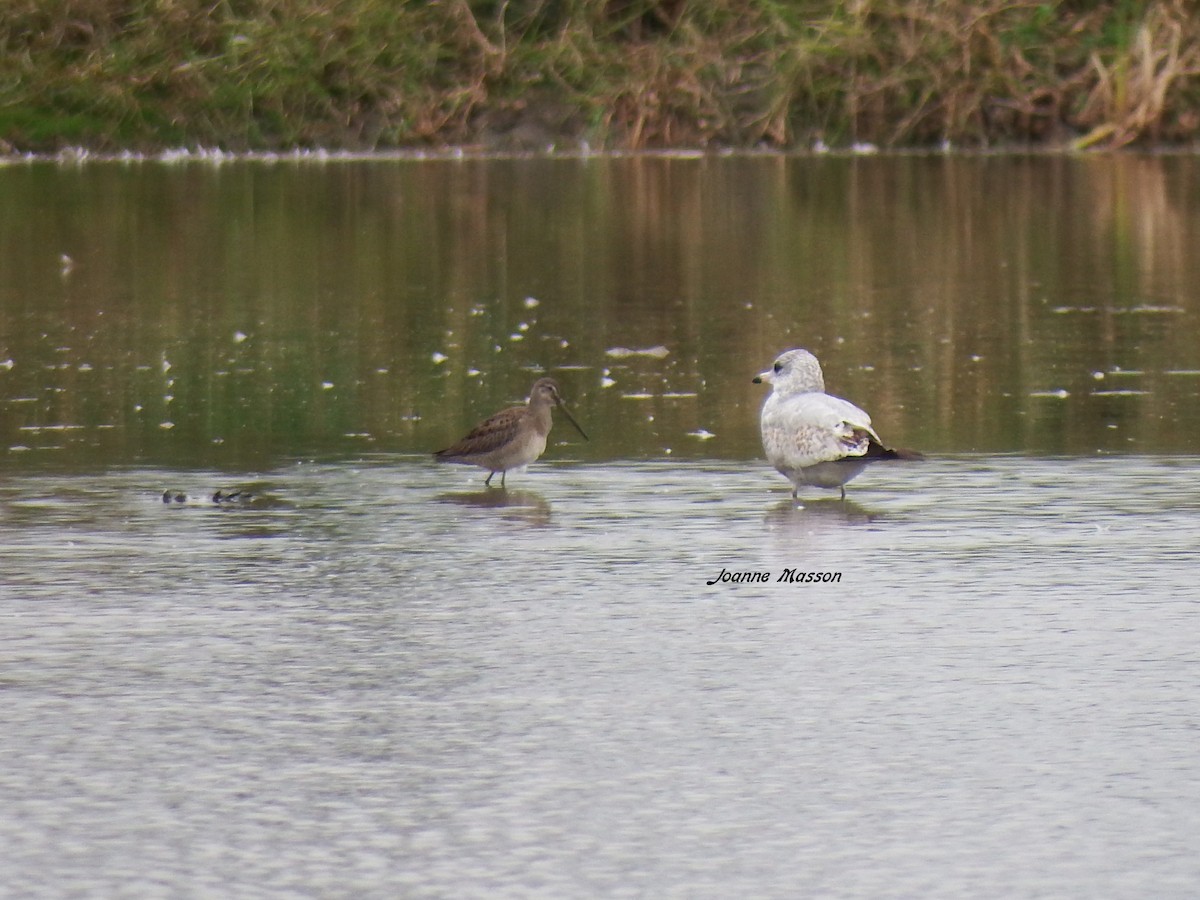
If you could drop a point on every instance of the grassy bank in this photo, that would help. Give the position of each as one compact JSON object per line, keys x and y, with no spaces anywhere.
{"x":521,"y":74}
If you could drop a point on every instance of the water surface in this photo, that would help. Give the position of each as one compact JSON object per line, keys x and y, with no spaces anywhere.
{"x":228,"y":315}
{"x":377,"y":681}
{"x":374,"y":678}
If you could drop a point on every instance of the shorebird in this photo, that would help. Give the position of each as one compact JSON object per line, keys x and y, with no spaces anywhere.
{"x":513,"y":437}
{"x":811,"y":437}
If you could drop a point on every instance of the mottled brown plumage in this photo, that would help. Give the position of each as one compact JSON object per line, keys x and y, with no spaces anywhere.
{"x":513,"y":437}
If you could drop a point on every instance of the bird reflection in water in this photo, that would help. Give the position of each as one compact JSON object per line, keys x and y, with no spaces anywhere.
{"x":820,"y":514}
{"x":526,"y":506}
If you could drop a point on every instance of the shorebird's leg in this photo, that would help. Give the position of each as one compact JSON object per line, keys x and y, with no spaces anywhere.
{"x":843,"y":492}
{"x":487,"y":482}
{"x":502,"y":474}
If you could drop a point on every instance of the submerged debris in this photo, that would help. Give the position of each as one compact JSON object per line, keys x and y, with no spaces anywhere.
{"x":238,"y":496}
{"x":220,"y":498}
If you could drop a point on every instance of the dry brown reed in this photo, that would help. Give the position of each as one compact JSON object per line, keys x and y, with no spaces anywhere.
{"x":527,"y":74}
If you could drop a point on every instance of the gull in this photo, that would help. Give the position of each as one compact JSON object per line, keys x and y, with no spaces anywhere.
{"x":513,"y":437}
{"x":811,"y":437}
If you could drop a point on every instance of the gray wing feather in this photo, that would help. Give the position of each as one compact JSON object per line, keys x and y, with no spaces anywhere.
{"x":806,"y":429}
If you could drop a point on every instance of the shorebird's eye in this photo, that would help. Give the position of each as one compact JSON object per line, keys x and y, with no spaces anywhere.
{"x":778,"y":367}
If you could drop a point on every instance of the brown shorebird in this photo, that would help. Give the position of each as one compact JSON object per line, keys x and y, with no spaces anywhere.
{"x":811,"y":437}
{"x":513,"y":437}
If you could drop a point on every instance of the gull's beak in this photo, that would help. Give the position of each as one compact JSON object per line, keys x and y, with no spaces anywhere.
{"x":764,"y":377}
{"x":570,"y":418}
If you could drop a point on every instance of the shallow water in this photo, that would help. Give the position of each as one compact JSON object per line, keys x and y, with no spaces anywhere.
{"x":376,"y":679}
{"x":227,"y":316}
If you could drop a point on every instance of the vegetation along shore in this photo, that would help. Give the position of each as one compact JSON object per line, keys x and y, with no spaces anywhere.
{"x":515,"y":75}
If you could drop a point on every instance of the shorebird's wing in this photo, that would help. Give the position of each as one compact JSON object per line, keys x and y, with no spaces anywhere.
{"x":488,"y":436}
{"x":806,"y":429}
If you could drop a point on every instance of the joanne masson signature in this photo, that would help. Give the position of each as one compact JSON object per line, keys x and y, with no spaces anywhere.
{"x":788,"y":576}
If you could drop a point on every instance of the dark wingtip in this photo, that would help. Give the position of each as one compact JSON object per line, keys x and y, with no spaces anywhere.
{"x":878,"y":451}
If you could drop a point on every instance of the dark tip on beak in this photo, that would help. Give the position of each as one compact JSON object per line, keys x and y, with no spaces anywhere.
{"x":757,"y":379}
{"x":570,"y":418}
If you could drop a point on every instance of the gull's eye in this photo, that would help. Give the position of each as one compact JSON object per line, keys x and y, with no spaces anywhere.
{"x":778,"y":367}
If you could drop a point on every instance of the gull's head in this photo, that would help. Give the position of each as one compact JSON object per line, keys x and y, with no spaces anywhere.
{"x":794,"y":372}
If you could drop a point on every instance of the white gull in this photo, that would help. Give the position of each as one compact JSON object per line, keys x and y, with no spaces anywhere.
{"x":811,"y":437}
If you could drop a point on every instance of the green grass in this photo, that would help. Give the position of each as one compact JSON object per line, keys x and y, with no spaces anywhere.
{"x":513,"y":74}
